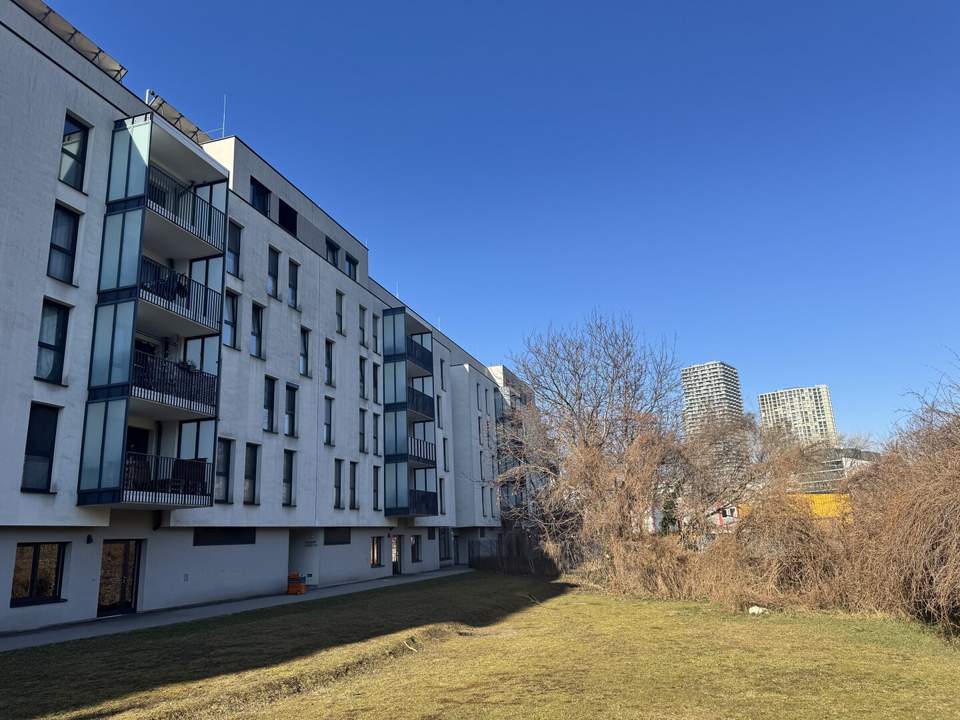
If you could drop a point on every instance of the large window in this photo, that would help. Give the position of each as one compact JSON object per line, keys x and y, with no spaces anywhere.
{"x":376,"y":554}
{"x":221,"y":481}
{"x":38,"y":456}
{"x":37,"y":573}
{"x":233,"y":249}
{"x":328,"y":362}
{"x":273,"y":273}
{"x":376,"y":487}
{"x":415,"y":549}
{"x":363,"y":326}
{"x":259,"y":196}
{"x":256,"y":331}
{"x":250,"y":462}
{"x":338,"y":484}
{"x":328,"y":421}
{"x":293,"y":283}
{"x":354,"y":505}
{"x":340,"y":312}
{"x":269,"y":398}
{"x":304,"y":351}
{"x":63,"y":244}
{"x":230,"y":338}
{"x":290,"y":412}
{"x":288,"y":457}
{"x":73,"y":152}
{"x":52,"y":342}
{"x":224,"y":536}
{"x":336,"y":536}
{"x":287,"y":218}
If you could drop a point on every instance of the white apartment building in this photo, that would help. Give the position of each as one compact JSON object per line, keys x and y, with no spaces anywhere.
{"x":206,"y":387}
{"x":804,"y":412}
{"x":711,"y":392}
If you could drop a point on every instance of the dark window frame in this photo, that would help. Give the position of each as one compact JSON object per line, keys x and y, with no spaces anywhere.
{"x":223,"y":472}
{"x":269,"y":409}
{"x":232,"y":300}
{"x":337,"y":536}
{"x":250,"y":476}
{"x":71,"y":253}
{"x":32,"y":598}
{"x":286,"y":217}
{"x":273,"y":272}
{"x":79,"y":158}
{"x":286,"y":480}
{"x":43,"y":435}
{"x":233,"y":252}
{"x":260,"y":196}
{"x":59,"y":346}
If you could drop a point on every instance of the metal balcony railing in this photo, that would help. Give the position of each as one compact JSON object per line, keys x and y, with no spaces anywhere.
{"x":420,"y":403}
{"x":182,"y":206}
{"x":156,"y":480}
{"x":419,"y":355}
{"x":179,"y":294}
{"x":423,"y":451}
{"x":174,"y":383}
{"x":419,"y":502}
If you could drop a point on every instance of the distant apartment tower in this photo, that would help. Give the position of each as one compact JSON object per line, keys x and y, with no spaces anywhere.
{"x":711,"y":391}
{"x":804,"y":412}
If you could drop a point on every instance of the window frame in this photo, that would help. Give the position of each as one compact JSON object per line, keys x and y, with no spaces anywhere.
{"x":59,"y":347}
{"x":284,"y":208}
{"x":231,"y":299}
{"x":258,"y":188}
{"x":81,"y":157}
{"x":257,"y":313}
{"x":228,"y":455}
{"x":52,"y":448}
{"x":303,"y":361}
{"x":233,"y":252}
{"x":337,"y":484}
{"x":32,"y":598}
{"x":251,"y":479}
{"x":75,"y":236}
{"x":273,"y":272}
{"x":269,"y":420}
{"x":286,"y":478}
{"x":290,"y":412}
{"x":293,"y":283}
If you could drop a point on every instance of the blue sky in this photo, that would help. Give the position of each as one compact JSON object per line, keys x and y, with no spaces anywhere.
{"x":772,"y":184}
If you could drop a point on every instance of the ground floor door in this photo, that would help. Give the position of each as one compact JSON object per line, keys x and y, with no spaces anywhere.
{"x":456,"y":549}
{"x":396,"y":552}
{"x":119,"y":572}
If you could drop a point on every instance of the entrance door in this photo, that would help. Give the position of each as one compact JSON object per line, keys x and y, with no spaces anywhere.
{"x":119,"y":570}
{"x":396,"y":547}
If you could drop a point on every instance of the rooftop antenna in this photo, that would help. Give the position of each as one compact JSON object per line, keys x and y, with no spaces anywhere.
{"x":223,"y":121}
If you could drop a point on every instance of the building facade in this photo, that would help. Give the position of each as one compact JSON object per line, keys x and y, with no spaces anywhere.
{"x":711,"y":392}
{"x":804,"y":412}
{"x":206,"y":387}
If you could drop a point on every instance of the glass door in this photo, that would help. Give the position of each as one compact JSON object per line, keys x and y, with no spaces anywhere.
{"x":119,"y":571}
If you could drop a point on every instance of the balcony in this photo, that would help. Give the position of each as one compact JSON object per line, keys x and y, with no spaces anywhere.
{"x":420,"y":454}
{"x":418,"y":357}
{"x":418,"y":503}
{"x":155,"y":482}
{"x":186,"y":390}
{"x":183,"y":208}
{"x":177,"y":294}
{"x":420,"y":404}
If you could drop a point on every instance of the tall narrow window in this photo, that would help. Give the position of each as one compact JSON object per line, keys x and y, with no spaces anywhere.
{"x":415,"y":548}
{"x":230,"y":338}
{"x":351,"y":267}
{"x":328,"y":362}
{"x":376,"y":487}
{"x":443,"y":377}
{"x":52,"y":342}
{"x":63,"y":244}
{"x":221,"y":481}
{"x":73,"y":153}
{"x":354,"y":505}
{"x":338,"y":484}
{"x":478,"y":397}
{"x":256,"y":331}
{"x":333,"y":253}
{"x":486,"y":400}
{"x":483,"y":500}
{"x":269,"y":392}
{"x":287,"y":218}
{"x":479,"y":430}
{"x":363,"y":378}
{"x":376,"y":383}
{"x":439,"y":412}
{"x":304,"y":351}
{"x":376,"y":333}
{"x":363,"y":430}
{"x":376,"y":434}
{"x":290,"y":412}
{"x":259,"y":197}
{"x":482,"y":477}
{"x":363,"y":326}
{"x":288,"y":477}
{"x":446,"y":465}
{"x":233,"y":249}
{"x":376,"y":557}
{"x":37,"y":573}
{"x":250,"y":462}
{"x":38,"y":456}
{"x":340,"y":312}
{"x":328,"y":421}
{"x":442,"y":496}
{"x":293,"y":281}
{"x":273,"y":273}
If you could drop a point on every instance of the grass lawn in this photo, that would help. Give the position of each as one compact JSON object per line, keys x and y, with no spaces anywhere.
{"x":483,"y":646}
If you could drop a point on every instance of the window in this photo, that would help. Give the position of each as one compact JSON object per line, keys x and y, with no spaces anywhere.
{"x":38,"y":455}
{"x":304,"y":351}
{"x":483,"y":500}
{"x":354,"y":505}
{"x":288,"y":477}
{"x":443,"y":377}
{"x":441,"y":496}
{"x":256,"y":331}
{"x":363,"y":430}
{"x":230,"y":320}
{"x":52,"y":342}
{"x":63,"y":244}
{"x":351,"y":267}
{"x":340,"y":312}
{"x":328,"y":362}
{"x":250,"y":461}
{"x":486,"y":401}
{"x":336,"y":536}
{"x":221,"y":481}
{"x":478,"y":397}
{"x":376,"y":434}
{"x":333,"y":253}
{"x":338,"y":484}
{"x":439,"y":412}
{"x":290,"y":412}
{"x":287,"y":218}
{"x":446,"y":465}
{"x":328,"y":421}
{"x":444,"y":543}
{"x":259,"y":197}
{"x":273,"y":273}
{"x":376,"y":383}
{"x":415,"y":548}
{"x":233,"y":249}
{"x":376,"y":487}
{"x":363,"y":378}
{"x":73,"y":152}
{"x":363,"y":326}
{"x":293,"y":280}
{"x":481,"y":466}
{"x":376,"y":334}
{"x":224,"y":536}
{"x":376,"y":558}
{"x":37,"y":573}
{"x":479,"y":430}
{"x":431,"y":533}
{"x":269,"y":393}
